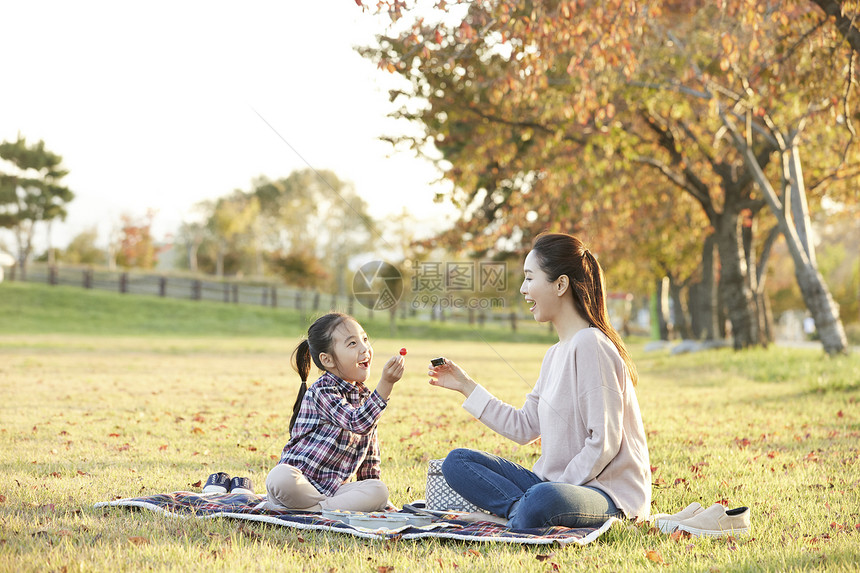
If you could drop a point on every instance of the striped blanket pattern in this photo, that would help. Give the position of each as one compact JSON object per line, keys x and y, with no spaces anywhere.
{"x":184,"y":504}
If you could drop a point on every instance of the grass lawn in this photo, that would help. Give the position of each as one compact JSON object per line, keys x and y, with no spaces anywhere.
{"x":90,"y":417}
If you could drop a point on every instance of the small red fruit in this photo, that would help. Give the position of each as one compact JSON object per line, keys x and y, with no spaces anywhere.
{"x":402,"y":352}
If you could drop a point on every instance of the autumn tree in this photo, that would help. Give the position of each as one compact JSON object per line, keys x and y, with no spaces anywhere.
{"x":528,"y":148}
{"x":536,"y":106}
{"x":190,"y":237}
{"x":304,"y":228}
{"x":313,"y":214}
{"x":83,"y":249}
{"x":233,"y":217}
{"x":31,"y":191}
{"x":136,"y":245}
{"x":771,"y":84}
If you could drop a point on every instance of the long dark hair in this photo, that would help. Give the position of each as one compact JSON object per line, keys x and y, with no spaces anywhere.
{"x":319,"y":340}
{"x":562,"y":254}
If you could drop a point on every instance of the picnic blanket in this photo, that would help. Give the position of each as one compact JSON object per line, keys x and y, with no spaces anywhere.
{"x":184,"y":504}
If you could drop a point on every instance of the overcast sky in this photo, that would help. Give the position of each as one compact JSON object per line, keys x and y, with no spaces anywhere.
{"x":155,"y":105}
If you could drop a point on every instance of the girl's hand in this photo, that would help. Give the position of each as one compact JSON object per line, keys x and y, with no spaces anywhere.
{"x":452,"y":377}
{"x":393,"y":370}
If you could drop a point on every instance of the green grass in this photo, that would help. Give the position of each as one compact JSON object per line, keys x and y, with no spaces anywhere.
{"x":90,"y":417}
{"x":28,"y":308}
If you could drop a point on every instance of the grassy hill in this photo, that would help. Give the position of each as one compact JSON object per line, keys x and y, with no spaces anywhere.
{"x":27,"y":308}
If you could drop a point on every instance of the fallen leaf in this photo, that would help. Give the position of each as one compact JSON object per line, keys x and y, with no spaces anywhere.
{"x":196,"y":430}
{"x":198,"y":483}
{"x":2,"y":499}
{"x":249,"y":532}
{"x":138,"y":540}
{"x":679,"y":534}
{"x":654,"y":556}
{"x":544,"y":557}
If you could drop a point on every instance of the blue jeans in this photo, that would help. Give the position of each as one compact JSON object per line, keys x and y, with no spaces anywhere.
{"x":509,"y":490}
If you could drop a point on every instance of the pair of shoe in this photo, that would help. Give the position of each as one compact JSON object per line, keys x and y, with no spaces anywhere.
{"x":222,"y":483}
{"x":715,"y":521}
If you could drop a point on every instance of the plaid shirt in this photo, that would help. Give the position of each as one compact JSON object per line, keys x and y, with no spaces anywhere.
{"x":335,"y":434}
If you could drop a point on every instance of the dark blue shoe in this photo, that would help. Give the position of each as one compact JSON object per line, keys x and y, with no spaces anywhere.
{"x":241,"y":485}
{"x":217,"y":483}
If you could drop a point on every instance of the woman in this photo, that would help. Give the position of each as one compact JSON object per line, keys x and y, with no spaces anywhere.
{"x":594,"y":458}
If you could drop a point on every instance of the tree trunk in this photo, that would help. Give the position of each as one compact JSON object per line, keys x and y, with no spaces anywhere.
{"x":823,"y":308}
{"x":679,"y":310}
{"x":748,"y":235}
{"x":192,"y":256}
{"x":735,"y":294}
{"x":51,"y":255}
{"x":816,"y":295}
{"x":703,"y":305}
{"x":24,"y":239}
{"x":661,"y":310}
{"x":812,"y":286}
{"x":219,"y":260}
{"x":761,"y":299}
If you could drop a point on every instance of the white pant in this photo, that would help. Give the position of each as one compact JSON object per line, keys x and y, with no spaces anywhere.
{"x":287,"y":487}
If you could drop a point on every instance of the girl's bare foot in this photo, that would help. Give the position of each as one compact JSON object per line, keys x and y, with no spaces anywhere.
{"x":481,"y":516}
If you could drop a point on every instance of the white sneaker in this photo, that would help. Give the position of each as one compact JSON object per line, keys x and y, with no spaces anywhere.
{"x":667,"y":523}
{"x":717,"y":521}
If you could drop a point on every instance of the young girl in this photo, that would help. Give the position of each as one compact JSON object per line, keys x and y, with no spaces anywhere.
{"x":333,"y":430}
{"x":594,"y":459}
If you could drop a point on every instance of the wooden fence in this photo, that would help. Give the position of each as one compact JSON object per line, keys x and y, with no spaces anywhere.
{"x":261,"y":293}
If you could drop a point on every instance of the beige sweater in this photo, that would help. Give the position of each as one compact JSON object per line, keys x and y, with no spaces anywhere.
{"x":585,"y":411}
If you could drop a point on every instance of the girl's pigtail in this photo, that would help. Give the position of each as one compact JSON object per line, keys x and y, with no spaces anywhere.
{"x":302,"y":364}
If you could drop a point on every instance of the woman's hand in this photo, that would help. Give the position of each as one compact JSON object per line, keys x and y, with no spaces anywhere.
{"x":452,"y":377}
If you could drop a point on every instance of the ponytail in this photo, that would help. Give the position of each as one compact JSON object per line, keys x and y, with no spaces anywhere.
{"x":302,"y":364}
{"x":302,"y":359}
{"x":598,"y":313}
{"x":563,"y":254}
